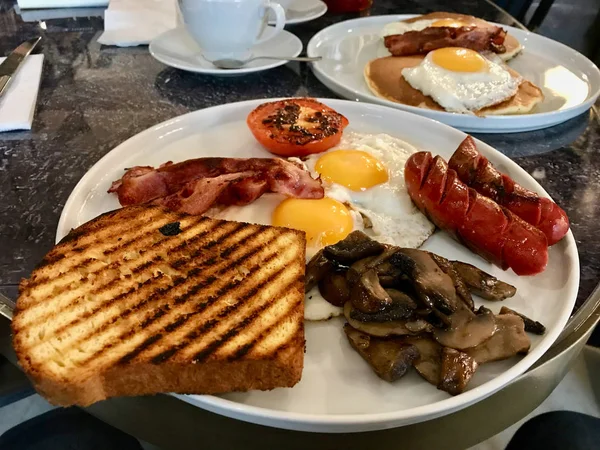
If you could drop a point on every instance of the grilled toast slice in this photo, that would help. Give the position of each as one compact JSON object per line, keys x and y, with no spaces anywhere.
{"x":143,"y":300}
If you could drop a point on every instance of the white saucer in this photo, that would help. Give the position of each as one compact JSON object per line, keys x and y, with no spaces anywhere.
{"x":302,"y":11}
{"x":176,"y":48}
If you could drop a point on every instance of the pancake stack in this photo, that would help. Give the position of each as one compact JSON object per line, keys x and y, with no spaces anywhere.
{"x":384,"y":76}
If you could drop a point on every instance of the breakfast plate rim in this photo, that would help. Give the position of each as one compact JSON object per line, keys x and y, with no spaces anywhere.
{"x":180,"y":64}
{"x":338,"y":423}
{"x":489,"y":124}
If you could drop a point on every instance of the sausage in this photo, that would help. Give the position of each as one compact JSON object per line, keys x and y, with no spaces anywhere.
{"x":476,"y":221}
{"x":477,"y":172}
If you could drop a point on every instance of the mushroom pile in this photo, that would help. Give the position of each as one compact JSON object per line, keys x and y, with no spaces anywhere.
{"x":411,"y":308}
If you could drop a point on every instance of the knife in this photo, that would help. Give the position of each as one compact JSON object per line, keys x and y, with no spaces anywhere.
{"x":7,"y":306}
{"x":11,"y":64}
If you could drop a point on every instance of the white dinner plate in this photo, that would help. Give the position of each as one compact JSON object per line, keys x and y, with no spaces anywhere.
{"x":570,"y":82}
{"x":338,"y":391}
{"x":176,"y":48}
{"x":301,"y":11}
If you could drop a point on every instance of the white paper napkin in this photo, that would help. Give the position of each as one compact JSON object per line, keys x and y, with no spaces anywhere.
{"x":137,"y":22}
{"x":33,"y":4}
{"x":17,"y":104}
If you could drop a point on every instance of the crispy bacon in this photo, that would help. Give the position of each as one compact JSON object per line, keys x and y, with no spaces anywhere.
{"x":244,"y":191}
{"x":428,"y":39}
{"x":193,"y":186}
{"x":199,"y":195}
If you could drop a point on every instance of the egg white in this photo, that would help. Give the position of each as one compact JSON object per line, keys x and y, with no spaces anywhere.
{"x":395,"y":220}
{"x":463,"y":92}
{"x":387,"y":205}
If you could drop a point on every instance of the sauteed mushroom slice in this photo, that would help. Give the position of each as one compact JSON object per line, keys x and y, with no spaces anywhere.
{"x":359,"y":267}
{"x":467,"y":329}
{"x":361,"y":322}
{"x":418,"y":326}
{"x":509,"y":340}
{"x":430,"y":283}
{"x":457,"y":368}
{"x":402,"y":307}
{"x":367,"y":295}
{"x":459,"y":285}
{"x":316,"y":269}
{"x":448,"y":369}
{"x":334,"y":288}
{"x":483,"y":284}
{"x":429,"y":362}
{"x":357,"y":245}
{"x":389,"y":358}
{"x":531,"y":326}
{"x":388,"y":275}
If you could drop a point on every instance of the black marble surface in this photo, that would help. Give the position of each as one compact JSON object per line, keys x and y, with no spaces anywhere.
{"x":94,"y":97}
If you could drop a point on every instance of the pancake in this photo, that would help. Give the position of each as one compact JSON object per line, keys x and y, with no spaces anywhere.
{"x":512,"y":45}
{"x":384,"y":78}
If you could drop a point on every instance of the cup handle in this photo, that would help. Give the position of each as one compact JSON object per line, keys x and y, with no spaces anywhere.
{"x":279,"y":21}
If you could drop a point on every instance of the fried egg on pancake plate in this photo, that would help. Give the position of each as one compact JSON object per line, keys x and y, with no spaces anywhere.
{"x":462,"y":80}
{"x":453,"y":79}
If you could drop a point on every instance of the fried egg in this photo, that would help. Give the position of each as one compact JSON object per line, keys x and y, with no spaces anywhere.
{"x":462,"y":80}
{"x":404,"y":27}
{"x":363,"y":180}
{"x":365,"y":172}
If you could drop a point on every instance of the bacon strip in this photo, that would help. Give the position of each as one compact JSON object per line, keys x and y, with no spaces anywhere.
{"x":244,"y":191}
{"x":193,"y":186}
{"x":428,"y":39}
{"x":199,"y":195}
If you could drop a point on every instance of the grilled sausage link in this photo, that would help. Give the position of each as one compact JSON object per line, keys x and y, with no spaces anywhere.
{"x":477,"y":172}
{"x":478,"y":222}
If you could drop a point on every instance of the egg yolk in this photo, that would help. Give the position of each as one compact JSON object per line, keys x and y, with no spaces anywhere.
{"x":458,"y":59}
{"x":355,"y":169}
{"x":325,"y":221}
{"x":448,"y":23}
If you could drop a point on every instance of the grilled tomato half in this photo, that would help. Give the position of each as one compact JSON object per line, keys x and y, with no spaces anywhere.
{"x":296,"y":126}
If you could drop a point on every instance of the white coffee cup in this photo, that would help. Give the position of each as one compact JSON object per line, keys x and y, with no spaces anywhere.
{"x":230,"y":28}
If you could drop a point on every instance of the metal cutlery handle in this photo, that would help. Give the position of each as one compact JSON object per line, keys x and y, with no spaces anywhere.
{"x":4,"y":80}
{"x":7,"y":307}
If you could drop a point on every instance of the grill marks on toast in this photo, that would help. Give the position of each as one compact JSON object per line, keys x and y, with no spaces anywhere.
{"x":207,"y":283}
{"x":100,"y":239}
{"x":251,"y":291}
{"x":265,"y":333}
{"x":153,"y":318}
{"x":203,"y":311}
{"x":146,"y":294}
{"x":145,"y":238}
{"x":137,"y":267}
{"x":199,"y":308}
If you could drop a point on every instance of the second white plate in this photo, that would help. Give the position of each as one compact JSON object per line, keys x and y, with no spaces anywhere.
{"x":570,"y":81}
